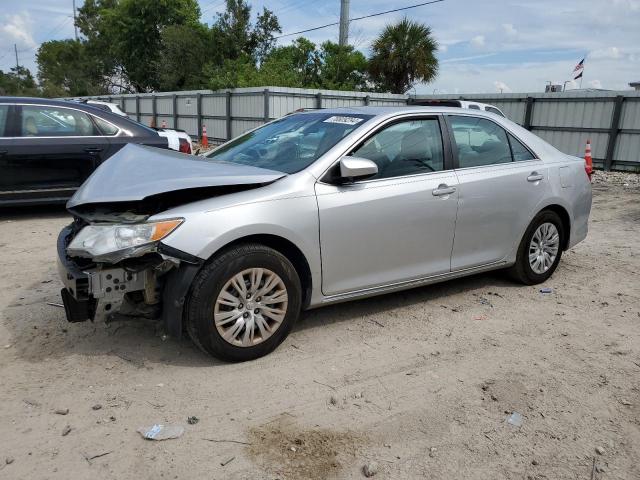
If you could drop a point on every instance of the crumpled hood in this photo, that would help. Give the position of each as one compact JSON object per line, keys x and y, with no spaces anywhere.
{"x":137,"y":172}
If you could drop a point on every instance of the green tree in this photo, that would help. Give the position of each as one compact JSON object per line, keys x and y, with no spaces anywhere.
{"x":183,"y":55}
{"x":233,"y":34}
{"x":342,"y":68}
{"x":127,"y":35}
{"x":300,"y":64}
{"x":65,"y":68}
{"x":18,"y":81}
{"x":402,"y":55}
{"x":233,"y":73}
{"x":295,"y":65}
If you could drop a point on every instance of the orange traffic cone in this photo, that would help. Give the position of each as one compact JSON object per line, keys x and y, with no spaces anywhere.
{"x":164,"y":124}
{"x":205,"y":141}
{"x":588,"y":160}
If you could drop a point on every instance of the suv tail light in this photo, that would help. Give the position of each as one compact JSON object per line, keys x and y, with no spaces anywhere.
{"x":185,"y":146}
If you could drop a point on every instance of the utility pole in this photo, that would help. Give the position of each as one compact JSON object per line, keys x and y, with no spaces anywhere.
{"x":75,"y":26}
{"x":344,"y":23}
{"x":15,"y":49}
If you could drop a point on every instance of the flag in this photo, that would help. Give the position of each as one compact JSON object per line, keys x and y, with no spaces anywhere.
{"x":579,"y":66}
{"x":578,"y":76}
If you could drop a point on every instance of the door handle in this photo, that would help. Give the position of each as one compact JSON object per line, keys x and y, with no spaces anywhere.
{"x":93,"y":150}
{"x":535,"y":177}
{"x":442,"y":190}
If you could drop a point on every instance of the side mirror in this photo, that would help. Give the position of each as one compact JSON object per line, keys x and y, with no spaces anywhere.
{"x":352,"y":168}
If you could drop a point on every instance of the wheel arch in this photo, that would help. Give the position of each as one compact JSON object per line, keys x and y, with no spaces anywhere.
{"x":564,"y":217}
{"x":285,"y":247}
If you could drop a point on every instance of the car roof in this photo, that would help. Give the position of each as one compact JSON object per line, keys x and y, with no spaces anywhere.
{"x":51,"y":102}
{"x":119,"y":120}
{"x":396,"y":110}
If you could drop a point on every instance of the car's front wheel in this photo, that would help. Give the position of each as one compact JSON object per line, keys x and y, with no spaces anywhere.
{"x":540,"y":249}
{"x":244,"y":303}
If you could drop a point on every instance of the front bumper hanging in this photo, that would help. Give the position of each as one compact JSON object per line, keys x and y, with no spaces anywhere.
{"x":94,"y":293}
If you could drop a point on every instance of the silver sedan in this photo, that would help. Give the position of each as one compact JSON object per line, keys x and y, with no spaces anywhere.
{"x":316,"y":208}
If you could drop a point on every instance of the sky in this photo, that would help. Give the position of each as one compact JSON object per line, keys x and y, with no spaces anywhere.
{"x":485,"y":46}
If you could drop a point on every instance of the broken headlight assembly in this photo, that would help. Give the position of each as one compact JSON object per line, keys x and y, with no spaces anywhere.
{"x":112,"y":243}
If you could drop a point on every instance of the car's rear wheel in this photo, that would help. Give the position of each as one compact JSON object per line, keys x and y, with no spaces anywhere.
{"x":244,"y":303}
{"x":540,"y":249}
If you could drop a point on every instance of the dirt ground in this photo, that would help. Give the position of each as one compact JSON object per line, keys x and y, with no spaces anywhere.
{"x":420,"y":383}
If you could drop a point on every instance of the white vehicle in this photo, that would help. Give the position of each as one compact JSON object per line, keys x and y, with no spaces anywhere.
{"x":457,"y":104}
{"x":179,"y":140}
{"x":108,"y":106}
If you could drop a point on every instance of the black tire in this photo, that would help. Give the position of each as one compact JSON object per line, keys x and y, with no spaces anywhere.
{"x":210,"y":281}
{"x":521,"y":270}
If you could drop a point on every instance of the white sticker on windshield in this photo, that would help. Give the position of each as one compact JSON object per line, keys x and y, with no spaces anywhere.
{"x":344,"y":120}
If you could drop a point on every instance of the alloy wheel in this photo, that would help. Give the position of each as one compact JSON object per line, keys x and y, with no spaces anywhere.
{"x":543,"y":248}
{"x":250,"y":307}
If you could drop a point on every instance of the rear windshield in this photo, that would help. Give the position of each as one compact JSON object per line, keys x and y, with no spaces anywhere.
{"x":292,"y":143}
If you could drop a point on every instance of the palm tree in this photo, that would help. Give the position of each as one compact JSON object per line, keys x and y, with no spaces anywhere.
{"x":402,"y":55}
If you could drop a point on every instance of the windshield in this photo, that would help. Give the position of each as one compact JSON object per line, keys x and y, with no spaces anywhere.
{"x":290,"y":144}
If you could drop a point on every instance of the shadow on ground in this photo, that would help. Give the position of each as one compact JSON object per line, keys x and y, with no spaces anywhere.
{"x":39,"y":330}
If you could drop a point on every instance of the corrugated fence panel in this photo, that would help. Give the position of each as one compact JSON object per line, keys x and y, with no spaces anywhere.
{"x":336,"y":102}
{"x":247,"y":105}
{"x":280,"y":105}
{"x":130,"y":106}
{"x":164,"y":105}
{"x":214,"y":106}
{"x":215,"y":128}
{"x":189,"y":125}
{"x":374,"y":102}
{"x":146,"y":105}
{"x":514,"y":111}
{"x":187,"y":105}
{"x":573,"y":143}
{"x":168,"y":120}
{"x":238,"y":127}
{"x":146,"y":119}
{"x":630,"y":116}
{"x":568,"y":110}
{"x":573,"y":114}
{"x":627,"y":148}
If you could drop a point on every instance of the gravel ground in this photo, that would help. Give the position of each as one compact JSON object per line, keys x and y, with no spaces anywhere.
{"x":417,"y":384}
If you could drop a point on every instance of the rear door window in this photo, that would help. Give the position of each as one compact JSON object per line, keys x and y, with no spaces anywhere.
{"x":105,"y":127}
{"x":480,"y":141}
{"x":519,"y":151}
{"x":49,"y":121}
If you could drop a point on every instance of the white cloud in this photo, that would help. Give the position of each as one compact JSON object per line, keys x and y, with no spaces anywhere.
{"x":478,"y":41}
{"x":610,"y":52}
{"x":502,"y":87}
{"x":16,"y":29}
{"x":595,"y":84}
{"x":509,"y":29}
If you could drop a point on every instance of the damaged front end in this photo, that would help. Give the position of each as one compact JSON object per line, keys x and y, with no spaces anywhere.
{"x":112,"y":259}
{"x":123,"y":268}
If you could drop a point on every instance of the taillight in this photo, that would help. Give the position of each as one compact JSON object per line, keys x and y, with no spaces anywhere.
{"x":185,"y":146}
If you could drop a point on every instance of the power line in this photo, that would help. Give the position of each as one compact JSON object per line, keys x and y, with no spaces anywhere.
{"x":53,"y":31}
{"x":359,"y":18}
